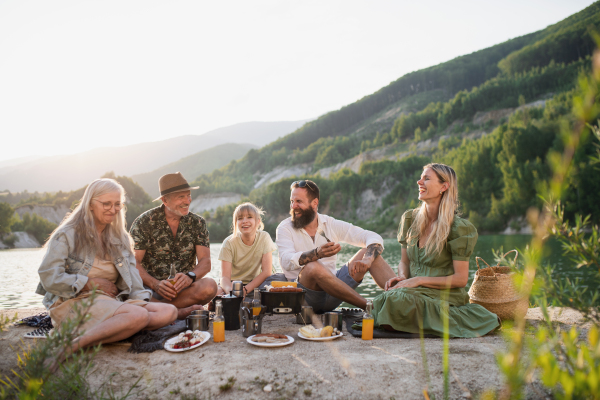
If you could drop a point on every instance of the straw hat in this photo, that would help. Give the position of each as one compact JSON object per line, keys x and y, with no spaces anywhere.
{"x":172,"y":183}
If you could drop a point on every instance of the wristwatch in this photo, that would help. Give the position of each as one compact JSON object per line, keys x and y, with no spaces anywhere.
{"x":192,"y":275}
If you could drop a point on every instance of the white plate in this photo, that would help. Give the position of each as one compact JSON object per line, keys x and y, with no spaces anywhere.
{"x":320,"y":339}
{"x":169,"y":343}
{"x":263,"y":344}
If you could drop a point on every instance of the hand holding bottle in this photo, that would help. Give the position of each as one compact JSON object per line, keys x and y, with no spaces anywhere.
{"x":165,"y":289}
{"x":168,"y":288}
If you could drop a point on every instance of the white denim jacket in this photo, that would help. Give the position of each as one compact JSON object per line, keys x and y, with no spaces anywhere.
{"x":63,"y":273}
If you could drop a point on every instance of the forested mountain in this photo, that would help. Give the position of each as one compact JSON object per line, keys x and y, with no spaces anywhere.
{"x":543,"y":65}
{"x":191,"y":166}
{"x":494,"y":115}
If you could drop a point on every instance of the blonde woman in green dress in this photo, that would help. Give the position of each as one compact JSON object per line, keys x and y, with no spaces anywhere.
{"x":436,"y":247}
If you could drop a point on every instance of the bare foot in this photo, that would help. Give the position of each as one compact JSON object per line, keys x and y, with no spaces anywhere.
{"x":211,"y":305}
{"x":182,"y":313}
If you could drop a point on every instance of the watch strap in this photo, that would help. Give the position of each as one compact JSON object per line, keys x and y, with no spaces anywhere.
{"x":191,"y":276}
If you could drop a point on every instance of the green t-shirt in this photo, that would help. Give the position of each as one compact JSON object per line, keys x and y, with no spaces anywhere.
{"x":246,"y":260}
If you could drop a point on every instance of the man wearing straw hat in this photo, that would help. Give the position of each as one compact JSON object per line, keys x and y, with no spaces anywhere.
{"x":172,"y":235}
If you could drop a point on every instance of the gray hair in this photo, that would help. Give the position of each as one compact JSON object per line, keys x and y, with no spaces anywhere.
{"x":113,"y":238}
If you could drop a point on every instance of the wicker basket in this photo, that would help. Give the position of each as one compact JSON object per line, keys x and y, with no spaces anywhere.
{"x":493,"y":288}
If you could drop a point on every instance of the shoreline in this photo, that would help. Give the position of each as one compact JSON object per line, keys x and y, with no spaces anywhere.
{"x":346,"y":368}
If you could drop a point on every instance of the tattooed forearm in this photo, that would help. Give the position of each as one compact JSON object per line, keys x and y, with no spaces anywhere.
{"x":374,"y":250}
{"x":308,"y":256}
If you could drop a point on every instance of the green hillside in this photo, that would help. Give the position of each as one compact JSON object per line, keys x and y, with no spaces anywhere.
{"x":192,"y":166}
{"x":495,"y":115}
{"x":541,"y":65}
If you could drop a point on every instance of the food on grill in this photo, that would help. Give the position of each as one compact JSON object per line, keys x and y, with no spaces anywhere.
{"x":288,"y":287}
{"x":284,"y":284}
{"x":285,"y":289}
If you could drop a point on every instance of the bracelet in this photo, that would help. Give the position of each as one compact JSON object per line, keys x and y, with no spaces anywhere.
{"x":245,"y":291}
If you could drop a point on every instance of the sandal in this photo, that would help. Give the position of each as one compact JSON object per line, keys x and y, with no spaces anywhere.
{"x":39,"y":333}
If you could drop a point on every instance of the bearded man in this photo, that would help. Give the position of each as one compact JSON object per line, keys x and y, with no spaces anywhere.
{"x":308,"y":244}
{"x":172,"y":235}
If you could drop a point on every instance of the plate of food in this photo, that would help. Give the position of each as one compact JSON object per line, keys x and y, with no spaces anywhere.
{"x":187,"y":340}
{"x":309,"y":332}
{"x":270,"y":340}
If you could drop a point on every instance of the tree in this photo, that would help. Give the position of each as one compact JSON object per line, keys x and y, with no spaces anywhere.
{"x":6,"y":217}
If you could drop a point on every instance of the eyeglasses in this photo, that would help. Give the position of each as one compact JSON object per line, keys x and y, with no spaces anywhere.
{"x":107,"y":205}
{"x":303,"y":184}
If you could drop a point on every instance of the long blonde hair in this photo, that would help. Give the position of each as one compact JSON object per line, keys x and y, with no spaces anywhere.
{"x":440,"y":229}
{"x":82,"y":221}
{"x":251,"y":209}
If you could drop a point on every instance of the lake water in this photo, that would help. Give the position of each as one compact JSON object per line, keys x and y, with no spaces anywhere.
{"x":19,"y":278}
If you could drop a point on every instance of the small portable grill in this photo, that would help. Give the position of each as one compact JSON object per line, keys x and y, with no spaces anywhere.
{"x":282,"y":302}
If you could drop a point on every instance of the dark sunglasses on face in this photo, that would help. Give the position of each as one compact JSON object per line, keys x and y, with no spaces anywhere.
{"x":303,"y":184}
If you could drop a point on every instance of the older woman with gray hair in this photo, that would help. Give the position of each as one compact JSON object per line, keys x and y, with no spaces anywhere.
{"x":91,"y":249}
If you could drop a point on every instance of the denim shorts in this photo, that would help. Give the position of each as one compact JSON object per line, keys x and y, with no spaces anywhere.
{"x":321,"y":301}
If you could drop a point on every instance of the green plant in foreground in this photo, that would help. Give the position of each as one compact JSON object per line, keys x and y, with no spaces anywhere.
{"x":226,"y":386}
{"x":6,"y":320}
{"x":566,"y":363}
{"x":41,"y":372}
{"x":446,"y":340}
{"x":37,"y":365}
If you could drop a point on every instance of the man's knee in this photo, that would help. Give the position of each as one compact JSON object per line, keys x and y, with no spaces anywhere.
{"x":205,"y":289}
{"x":209,"y":286}
{"x":314,"y":269}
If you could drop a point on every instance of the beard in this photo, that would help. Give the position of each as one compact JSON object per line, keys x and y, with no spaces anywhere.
{"x":304,"y":219}
{"x":175,"y":211}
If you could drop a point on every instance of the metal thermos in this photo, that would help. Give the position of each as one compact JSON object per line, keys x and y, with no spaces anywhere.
{"x":251,"y":324}
{"x":197,"y":322}
{"x":201,"y":312}
{"x":333,"y":319}
{"x":237,"y":288}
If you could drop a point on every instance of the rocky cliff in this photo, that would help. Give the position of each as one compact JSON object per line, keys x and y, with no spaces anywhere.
{"x":54,"y":214}
{"x":23,"y":240}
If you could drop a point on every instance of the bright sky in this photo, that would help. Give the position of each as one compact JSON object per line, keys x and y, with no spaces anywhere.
{"x":76,"y":75}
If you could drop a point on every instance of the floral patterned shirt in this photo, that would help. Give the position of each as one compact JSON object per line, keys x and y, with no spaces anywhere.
{"x":151,"y":232}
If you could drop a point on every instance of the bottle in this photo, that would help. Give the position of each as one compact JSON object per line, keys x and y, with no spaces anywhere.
{"x":256,"y":306}
{"x":367,"y":322}
{"x":219,"y":323}
{"x":172,"y":274}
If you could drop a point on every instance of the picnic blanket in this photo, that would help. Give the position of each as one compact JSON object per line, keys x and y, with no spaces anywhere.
{"x":149,"y":341}
{"x":353,"y":319}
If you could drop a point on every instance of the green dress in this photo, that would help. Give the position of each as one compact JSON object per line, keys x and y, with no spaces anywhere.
{"x":403,"y":308}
